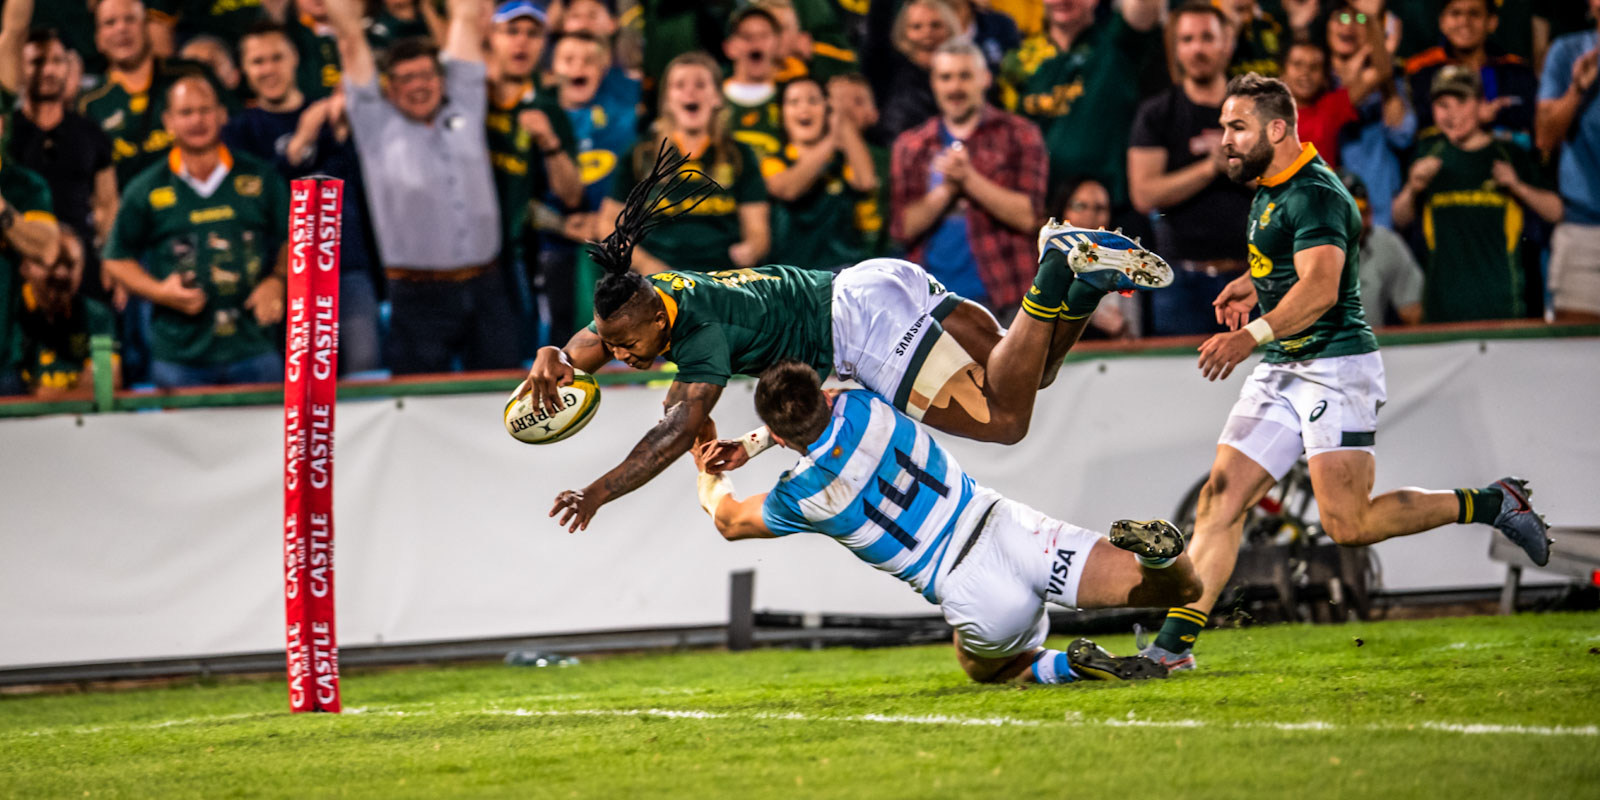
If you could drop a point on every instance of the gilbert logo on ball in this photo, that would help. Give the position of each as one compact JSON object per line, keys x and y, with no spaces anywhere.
{"x":536,"y":425}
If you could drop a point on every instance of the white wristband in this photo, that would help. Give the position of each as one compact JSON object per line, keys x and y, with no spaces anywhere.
{"x":712,"y":489}
{"x":1259,"y":329}
{"x":757,"y":441}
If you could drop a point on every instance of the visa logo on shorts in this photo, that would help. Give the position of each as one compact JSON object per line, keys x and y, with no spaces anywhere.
{"x":909,"y":337}
{"x":1059,"y":569}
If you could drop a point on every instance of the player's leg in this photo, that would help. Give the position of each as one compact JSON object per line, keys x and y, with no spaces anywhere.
{"x":1141,"y":565}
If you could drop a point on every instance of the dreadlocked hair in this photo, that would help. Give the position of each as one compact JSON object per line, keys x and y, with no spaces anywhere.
{"x":667,"y":191}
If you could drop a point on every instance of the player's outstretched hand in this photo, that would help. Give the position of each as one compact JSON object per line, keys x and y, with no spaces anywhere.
{"x":722,"y":455}
{"x":1222,"y":352}
{"x":551,"y":371}
{"x":576,"y":509}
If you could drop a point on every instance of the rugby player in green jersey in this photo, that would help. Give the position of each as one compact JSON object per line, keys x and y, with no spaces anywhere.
{"x":1321,"y":384}
{"x":884,"y":322}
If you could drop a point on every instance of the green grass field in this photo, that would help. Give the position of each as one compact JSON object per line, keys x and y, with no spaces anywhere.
{"x":1486,"y":707}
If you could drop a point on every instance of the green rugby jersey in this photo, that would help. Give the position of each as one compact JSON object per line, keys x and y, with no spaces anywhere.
{"x":228,"y":242}
{"x":519,"y":175}
{"x":1084,"y":100}
{"x":227,"y":20}
{"x":1303,"y":207}
{"x":703,"y":235}
{"x":1260,"y":47}
{"x":28,"y":195}
{"x":54,"y":351}
{"x":132,"y":116}
{"x":827,"y":226}
{"x":1473,"y":228}
{"x":319,"y":69}
{"x":759,"y":125}
{"x":741,"y":321}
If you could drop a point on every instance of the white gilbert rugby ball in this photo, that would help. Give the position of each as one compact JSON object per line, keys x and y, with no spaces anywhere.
{"x":538,"y":426}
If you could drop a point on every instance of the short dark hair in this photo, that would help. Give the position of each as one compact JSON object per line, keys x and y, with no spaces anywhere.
{"x":790,"y":401}
{"x":1271,"y":96}
{"x":264,"y":27}
{"x":407,"y":49}
{"x":1203,"y":7}
{"x":1490,"y":7}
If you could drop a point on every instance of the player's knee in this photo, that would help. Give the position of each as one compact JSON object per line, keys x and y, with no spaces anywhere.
{"x":1343,"y":529}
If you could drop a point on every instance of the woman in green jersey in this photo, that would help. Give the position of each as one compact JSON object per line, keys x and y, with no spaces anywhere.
{"x":819,"y":181}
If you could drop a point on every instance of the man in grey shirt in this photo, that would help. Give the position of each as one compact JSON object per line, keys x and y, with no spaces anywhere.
{"x":1391,"y":279}
{"x":420,"y":138}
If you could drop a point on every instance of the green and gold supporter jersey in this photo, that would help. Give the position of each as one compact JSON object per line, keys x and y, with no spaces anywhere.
{"x":1084,"y":100}
{"x":830,"y":225}
{"x":227,"y":20}
{"x":1473,"y":229}
{"x":1302,"y":207}
{"x":701,"y":236}
{"x":519,"y":175}
{"x":225,"y":244}
{"x":132,"y":117}
{"x":741,"y":321}
{"x":319,"y":70}
{"x":55,"y":350}
{"x":28,"y":194}
{"x":1260,"y":48}
{"x":759,"y":126}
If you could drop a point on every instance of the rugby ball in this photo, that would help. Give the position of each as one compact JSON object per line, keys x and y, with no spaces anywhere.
{"x":533,"y":425}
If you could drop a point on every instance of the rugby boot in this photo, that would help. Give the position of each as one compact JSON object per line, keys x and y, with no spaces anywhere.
{"x":1092,"y":662}
{"x":1173,"y":662}
{"x":1151,"y":538}
{"x":1104,"y":259}
{"x":1518,"y":521}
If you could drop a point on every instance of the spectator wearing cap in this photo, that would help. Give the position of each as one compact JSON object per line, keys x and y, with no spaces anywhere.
{"x":302,"y":137}
{"x":420,"y":138}
{"x":730,"y":228}
{"x":751,"y":92}
{"x":69,"y":151}
{"x":57,"y":322}
{"x":1569,"y":120}
{"x":1373,"y":146}
{"x":902,"y":76}
{"x":1468,"y":191}
{"x":1174,"y":171}
{"x":823,"y":182}
{"x":1510,"y":87}
{"x":1391,"y":281}
{"x":968,"y":187}
{"x":532,"y":149}
{"x":201,"y":237}
{"x":1081,"y":82}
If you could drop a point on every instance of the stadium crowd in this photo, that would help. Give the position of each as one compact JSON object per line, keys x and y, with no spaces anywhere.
{"x":147,"y":148}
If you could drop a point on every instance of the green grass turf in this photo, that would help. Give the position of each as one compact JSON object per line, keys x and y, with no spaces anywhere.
{"x":1486,"y":707}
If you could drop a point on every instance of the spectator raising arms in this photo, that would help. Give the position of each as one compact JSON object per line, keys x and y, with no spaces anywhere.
{"x":57,"y":322}
{"x":1469,"y":189}
{"x":431,"y":191}
{"x":1569,"y":118}
{"x":729,"y":229}
{"x":200,"y":237}
{"x":968,"y":188}
{"x":820,"y":181}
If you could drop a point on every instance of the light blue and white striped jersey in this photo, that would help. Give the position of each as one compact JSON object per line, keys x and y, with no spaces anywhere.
{"x":878,"y":483}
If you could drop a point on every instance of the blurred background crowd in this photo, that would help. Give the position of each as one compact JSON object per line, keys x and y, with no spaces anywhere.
{"x":147,"y":147}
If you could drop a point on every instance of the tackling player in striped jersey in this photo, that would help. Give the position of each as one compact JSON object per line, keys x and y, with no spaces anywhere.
{"x":876,"y":481}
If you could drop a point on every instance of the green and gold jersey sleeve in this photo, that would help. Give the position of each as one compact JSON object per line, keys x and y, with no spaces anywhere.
{"x":741,"y":321}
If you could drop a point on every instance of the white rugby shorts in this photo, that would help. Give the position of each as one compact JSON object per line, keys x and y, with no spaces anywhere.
{"x":887,"y":333}
{"x":995,"y":598}
{"x":1315,"y":406}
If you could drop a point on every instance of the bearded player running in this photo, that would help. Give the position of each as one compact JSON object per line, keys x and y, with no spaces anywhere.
{"x":939,"y":358}
{"x":1321,"y":384}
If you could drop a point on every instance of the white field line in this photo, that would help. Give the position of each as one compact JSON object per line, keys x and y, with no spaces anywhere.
{"x":1072,"y":720}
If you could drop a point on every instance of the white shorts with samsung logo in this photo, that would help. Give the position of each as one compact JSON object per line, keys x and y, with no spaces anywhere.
{"x":886,"y":332}
{"x":1314,"y":406}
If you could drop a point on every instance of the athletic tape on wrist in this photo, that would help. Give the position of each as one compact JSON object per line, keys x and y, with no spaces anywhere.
{"x":757,"y":441}
{"x":1259,"y":329}
{"x":712,"y":488}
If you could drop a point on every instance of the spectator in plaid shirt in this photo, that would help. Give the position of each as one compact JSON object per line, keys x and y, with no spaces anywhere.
{"x":968,"y":187}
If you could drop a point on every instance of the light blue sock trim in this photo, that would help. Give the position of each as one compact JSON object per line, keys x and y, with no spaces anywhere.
{"x":1053,"y":667}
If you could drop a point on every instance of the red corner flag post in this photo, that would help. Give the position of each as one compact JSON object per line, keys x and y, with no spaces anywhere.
{"x":310,"y":370}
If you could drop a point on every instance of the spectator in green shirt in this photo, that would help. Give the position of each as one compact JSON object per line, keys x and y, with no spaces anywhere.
{"x":200,"y":237}
{"x":57,"y":322}
{"x":823,"y":182}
